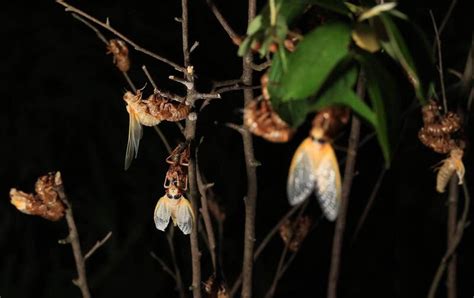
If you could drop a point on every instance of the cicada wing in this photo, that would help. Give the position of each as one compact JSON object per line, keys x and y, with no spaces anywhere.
{"x":184,"y":216}
{"x":328,"y":182}
{"x":162,"y":213}
{"x":135,"y":133}
{"x":301,"y":177}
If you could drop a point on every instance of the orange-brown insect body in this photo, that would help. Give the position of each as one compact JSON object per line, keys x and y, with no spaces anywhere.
{"x":452,"y":164}
{"x":119,"y":50}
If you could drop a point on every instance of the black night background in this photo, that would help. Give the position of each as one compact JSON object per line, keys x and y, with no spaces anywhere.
{"x":62,"y":109}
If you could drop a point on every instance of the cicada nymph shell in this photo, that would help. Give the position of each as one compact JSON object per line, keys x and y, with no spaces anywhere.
{"x":149,"y":112}
{"x":293,"y":233}
{"x":118,"y":48}
{"x":452,"y":164}
{"x":45,"y":202}
{"x":175,"y":206}
{"x":314,"y":167}
{"x":263,"y":121}
{"x":215,"y":288}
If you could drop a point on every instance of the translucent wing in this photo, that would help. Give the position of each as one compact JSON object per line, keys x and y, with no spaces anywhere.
{"x":301,"y":177}
{"x":134,"y":135}
{"x":328,"y":182}
{"x":162,"y":213}
{"x":184,"y":216}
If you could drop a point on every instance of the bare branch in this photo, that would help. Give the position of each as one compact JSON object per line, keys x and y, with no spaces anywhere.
{"x":73,"y":238}
{"x":165,"y":267}
{"x":107,"y":26}
{"x":236,"y":39}
{"x":177,"y":271}
{"x":97,"y":246}
{"x":440,"y":64}
{"x":346,"y":188}
{"x":262,"y":66}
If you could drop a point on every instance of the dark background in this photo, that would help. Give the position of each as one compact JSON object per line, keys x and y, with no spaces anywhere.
{"x":61,"y":109}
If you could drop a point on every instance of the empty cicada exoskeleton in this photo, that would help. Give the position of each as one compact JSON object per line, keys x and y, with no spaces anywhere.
{"x":293,"y":233}
{"x":148,"y":112}
{"x":180,"y":155}
{"x":45,"y":203}
{"x":176,"y":176}
{"x":175,"y":206}
{"x":119,"y":50}
{"x":452,"y":164}
{"x":314,"y":167}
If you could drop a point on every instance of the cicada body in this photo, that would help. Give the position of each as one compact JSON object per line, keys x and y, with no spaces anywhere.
{"x":175,"y":206}
{"x":119,"y":50}
{"x":452,"y":164}
{"x":314,"y":168}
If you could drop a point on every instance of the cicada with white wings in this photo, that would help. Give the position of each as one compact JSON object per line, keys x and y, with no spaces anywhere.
{"x":149,"y":112}
{"x":314,"y":168}
{"x":175,"y":206}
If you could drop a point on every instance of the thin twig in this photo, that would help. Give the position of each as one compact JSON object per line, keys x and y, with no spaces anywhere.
{"x":205,"y":213}
{"x":250,"y":164}
{"x":454,"y":244}
{"x":236,"y":39}
{"x":440,"y":64}
{"x":165,"y":267}
{"x":177,"y":271}
{"x":107,"y":26}
{"x":346,"y":188}
{"x":263,"y":244}
{"x":150,"y":79}
{"x":447,"y":16}
{"x":261,"y":66}
{"x":97,"y":245}
{"x":451,"y":231}
{"x":73,"y":238}
{"x":370,"y":202}
{"x":271,"y":291}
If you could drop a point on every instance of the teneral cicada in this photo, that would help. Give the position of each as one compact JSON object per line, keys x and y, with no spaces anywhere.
{"x":314,"y":166}
{"x":119,"y":50}
{"x":452,"y":164}
{"x":148,"y":112}
{"x":175,"y":206}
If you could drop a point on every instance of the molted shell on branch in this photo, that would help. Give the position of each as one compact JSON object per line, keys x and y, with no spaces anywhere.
{"x":118,"y":48}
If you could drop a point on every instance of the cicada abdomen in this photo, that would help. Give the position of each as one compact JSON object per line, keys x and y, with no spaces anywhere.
{"x":119,"y":50}
{"x":314,"y":168}
{"x":175,"y":206}
{"x":452,"y":164}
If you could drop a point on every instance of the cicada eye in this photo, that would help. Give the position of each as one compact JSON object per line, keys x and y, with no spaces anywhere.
{"x":301,"y":178}
{"x":162,"y":214}
{"x":184,"y":216}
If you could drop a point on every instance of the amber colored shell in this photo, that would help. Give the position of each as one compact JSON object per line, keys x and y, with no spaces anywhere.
{"x":119,"y":50}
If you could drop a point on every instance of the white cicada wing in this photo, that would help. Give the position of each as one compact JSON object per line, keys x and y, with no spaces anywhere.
{"x":301,"y":178}
{"x":135,"y":133}
{"x":162,"y":213}
{"x":184,"y":216}
{"x":328,"y":182}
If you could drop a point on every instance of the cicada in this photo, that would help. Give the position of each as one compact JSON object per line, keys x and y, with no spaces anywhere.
{"x":452,"y":164}
{"x":175,"y":206}
{"x":119,"y":50}
{"x":149,"y":112}
{"x":314,"y":167}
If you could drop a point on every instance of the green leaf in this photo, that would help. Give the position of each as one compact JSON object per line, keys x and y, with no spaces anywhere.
{"x":255,"y":25}
{"x":294,"y":112}
{"x":312,"y":62}
{"x":382,"y":90}
{"x":340,"y":93}
{"x":245,"y":46}
{"x":397,"y":48}
{"x":337,"y":6}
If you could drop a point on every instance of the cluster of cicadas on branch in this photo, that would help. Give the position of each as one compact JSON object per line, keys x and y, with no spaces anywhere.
{"x":173,"y":204}
{"x":443,"y":134}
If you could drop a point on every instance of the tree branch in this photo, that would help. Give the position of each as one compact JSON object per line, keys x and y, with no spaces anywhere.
{"x":97,"y":245}
{"x":236,"y":39}
{"x":451,"y":231}
{"x":107,"y":26}
{"x":73,"y":238}
{"x":346,"y":188}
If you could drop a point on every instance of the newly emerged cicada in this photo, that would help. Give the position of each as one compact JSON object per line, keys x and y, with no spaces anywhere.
{"x":452,"y":164}
{"x":149,"y":112}
{"x":314,"y":167}
{"x":175,"y":206}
